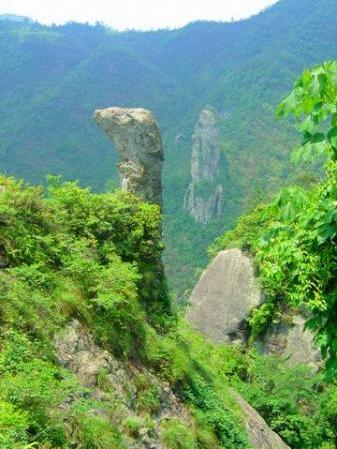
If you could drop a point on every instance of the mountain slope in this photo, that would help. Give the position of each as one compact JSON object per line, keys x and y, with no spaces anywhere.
{"x":52,"y":78}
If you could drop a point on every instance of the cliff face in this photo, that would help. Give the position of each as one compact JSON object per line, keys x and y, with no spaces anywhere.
{"x":138,"y":141}
{"x":204,"y":196}
{"x":293,"y":340}
{"x":103,"y":376}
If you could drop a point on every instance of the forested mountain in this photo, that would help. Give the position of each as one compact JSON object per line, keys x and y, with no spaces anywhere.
{"x":52,"y":79}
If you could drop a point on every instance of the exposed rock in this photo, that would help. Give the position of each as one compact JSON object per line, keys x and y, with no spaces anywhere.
{"x":224,"y":296}
{"x":137,"y":138}
{"x":292,"y":341}
{"x":259,"y":433}
{"x":77,"y":351}
{"x":204,"y":197}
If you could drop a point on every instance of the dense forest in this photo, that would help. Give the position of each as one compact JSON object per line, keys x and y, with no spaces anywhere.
{"x":53,"y":78}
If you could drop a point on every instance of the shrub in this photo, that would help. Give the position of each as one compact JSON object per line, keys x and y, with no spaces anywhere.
{"x":177,"y":435}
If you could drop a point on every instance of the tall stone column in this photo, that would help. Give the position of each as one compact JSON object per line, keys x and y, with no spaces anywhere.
{"x":137,"y":138}
{"x":204,"y":198}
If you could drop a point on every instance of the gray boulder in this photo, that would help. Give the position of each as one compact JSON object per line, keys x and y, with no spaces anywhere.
{"x":224,"y":296}
{"x":223,"y":299}
{"x":259,"y":433}
{"x":293,"y":341}
{"x":137,"y":138}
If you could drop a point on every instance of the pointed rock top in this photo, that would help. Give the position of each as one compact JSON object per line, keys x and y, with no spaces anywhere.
{"x":123,"y":116}
{"x":136,"y":136}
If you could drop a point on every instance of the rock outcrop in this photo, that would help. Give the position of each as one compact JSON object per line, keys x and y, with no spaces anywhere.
{"x":259,"y":433}
{"x":103,"y":376}
{"x":137,"y":138}
{"x":223,"y":299}
{"x":107,"y":379}
{"x":204,"y":197}
{"x":291,"y":340}
{"x":224,"y":296}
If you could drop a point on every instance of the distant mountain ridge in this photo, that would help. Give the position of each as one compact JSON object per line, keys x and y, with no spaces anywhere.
{"x":15,"y":18}
{"x":53,"y":78}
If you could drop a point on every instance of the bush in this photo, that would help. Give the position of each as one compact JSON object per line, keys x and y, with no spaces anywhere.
{"x":296,"y":403}
{"x":176,"y":435}
{"x":96,"y":432}
{"x":13,"y":427}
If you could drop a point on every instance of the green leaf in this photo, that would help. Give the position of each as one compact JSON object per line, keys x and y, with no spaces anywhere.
{"x":332,"y":137}
{"x":315,"y":87}
{"x":307,"y":125}
{"x":327,"y":232}
{"x":296,"y":155}
{"x":318,"y":138}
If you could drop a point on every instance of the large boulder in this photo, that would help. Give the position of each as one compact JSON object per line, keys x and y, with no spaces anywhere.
{"x":137,"y":138}
{"x":223,"y":299}
{"x":224,"y":296}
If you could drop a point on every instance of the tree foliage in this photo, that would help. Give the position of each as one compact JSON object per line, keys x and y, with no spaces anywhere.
{"x":294,"y":237}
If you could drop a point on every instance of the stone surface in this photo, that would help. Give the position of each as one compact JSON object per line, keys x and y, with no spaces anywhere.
{"x":293,"y":341}
{"x":205,"y":195}
{"x":137,"y":138}
{"x":77,"y":351}
{"x":259,"y":433}
{"x":224,"y":296}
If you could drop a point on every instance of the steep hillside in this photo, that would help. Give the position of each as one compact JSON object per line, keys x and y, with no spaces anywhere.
{"x":52,"y":78}
{"x":91,"y":355}
{"x":88,"y":362}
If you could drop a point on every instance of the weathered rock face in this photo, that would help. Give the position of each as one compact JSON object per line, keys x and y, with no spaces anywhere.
{"x":137,"y":138}
{"x":292,"y":341}
{"x":224,"y":296}
{"x":259,"y":433}
{"x":106,"y":379}
{"x":77,"y":352}
{"x":204,"y":197}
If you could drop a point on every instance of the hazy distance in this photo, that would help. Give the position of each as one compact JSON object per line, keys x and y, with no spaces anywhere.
{"x":138,"y":14}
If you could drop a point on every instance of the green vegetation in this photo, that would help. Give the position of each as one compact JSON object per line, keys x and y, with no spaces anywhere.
{"x":177,"y":435}
{"x":53,"y":78}
{"x":293,"y":239}
{"x":299,"y":406}
{"x":67,"y":254}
